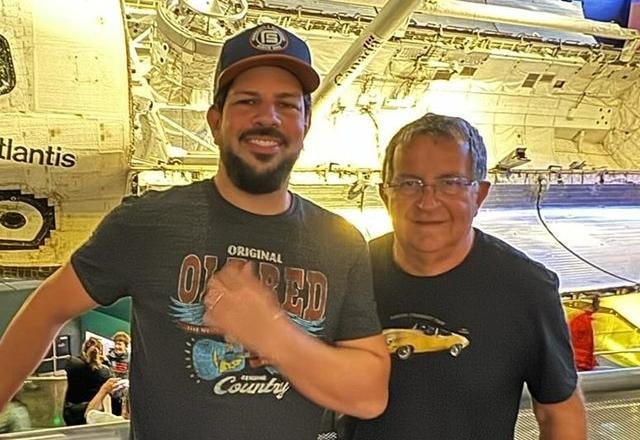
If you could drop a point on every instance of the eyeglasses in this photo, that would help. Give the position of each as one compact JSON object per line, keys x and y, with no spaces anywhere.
{"x":444,"y":186}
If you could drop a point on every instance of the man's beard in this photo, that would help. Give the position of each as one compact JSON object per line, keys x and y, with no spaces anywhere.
{"x":248,"y":180}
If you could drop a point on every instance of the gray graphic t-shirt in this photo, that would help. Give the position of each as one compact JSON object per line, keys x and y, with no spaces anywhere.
{"x":186,"y":382}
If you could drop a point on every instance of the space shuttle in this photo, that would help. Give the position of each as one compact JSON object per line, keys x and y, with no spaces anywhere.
{"x":65,"y":128}
{"x":100,"y":100}
{"x":103,"y":99}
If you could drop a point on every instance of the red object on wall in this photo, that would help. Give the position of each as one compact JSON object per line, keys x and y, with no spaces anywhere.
{"x":581,"y":328}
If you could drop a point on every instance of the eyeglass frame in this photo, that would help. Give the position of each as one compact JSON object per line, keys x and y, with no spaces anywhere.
{"x":462,"y":183}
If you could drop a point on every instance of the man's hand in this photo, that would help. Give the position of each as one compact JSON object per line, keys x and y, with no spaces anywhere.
{"x":240,"y":307}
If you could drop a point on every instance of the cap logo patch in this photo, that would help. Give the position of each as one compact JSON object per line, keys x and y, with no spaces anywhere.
{"x":269,"y":39}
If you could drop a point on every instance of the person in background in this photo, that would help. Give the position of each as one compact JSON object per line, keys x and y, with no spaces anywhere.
{"x":582,"y":335}
{"x":118,"y":362}
{"x":85,"y":376}
{"x":99,"y":409}
{"x":468,"y":318}
{"x":252,"y":307}
{"x":15,"y":417}
{"x":118,"y":356}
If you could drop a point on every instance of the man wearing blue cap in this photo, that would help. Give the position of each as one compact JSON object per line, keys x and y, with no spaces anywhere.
{"x":254,"y":311}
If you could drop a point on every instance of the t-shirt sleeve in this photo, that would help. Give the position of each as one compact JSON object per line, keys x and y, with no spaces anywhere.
{"x":359,"y":317}
{"x":101,"y":263}
{"x":551,"y":374}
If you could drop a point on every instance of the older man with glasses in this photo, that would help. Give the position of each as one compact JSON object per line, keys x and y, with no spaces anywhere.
{"x":468,"y":319}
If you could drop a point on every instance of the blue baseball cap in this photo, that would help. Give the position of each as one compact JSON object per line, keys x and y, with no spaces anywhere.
{"x":265,"y":45}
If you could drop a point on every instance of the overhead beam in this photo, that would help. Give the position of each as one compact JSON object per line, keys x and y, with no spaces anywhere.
{"x":394,"y":14}
{"x":514,"y":16}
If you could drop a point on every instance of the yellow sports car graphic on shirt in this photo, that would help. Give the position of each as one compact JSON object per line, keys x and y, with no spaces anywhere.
{"x":418,"y":333}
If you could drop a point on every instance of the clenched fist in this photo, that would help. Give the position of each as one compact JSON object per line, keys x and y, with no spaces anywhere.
{"x":240,"y":307}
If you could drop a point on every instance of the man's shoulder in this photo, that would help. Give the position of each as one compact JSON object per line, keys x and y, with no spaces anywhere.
{"x":176,"y":194}
{"x":321,"y":219}
{"x":382,"y":242}
{"x":311,"y":208}
{"x":511,"y":261}
{"x":163,"y":202}
{"x":381,"y":255}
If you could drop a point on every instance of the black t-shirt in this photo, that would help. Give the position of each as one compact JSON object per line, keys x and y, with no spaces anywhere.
{"x":466,"y":341}
{"x":83,"y":382}
{"x":162,"y":247}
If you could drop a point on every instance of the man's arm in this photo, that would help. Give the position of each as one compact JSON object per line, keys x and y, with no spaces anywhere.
{"x":29,"y":335}
{"x":562,"y":421}
{"x":350,"y":377}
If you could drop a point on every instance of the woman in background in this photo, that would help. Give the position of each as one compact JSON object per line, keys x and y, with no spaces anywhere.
{"x":85,"y":376}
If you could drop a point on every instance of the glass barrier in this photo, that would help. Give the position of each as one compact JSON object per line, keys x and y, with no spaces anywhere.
{"x":103,"y":431}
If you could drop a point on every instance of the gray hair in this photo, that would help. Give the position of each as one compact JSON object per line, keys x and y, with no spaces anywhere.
{"x":432,"y":124}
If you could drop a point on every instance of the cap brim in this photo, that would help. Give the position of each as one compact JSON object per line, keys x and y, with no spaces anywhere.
{"x":307,"y":76}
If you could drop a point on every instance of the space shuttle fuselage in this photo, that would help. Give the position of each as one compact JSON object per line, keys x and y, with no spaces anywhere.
{"x":50,"y":156}
{"x":102,"y":99}
{"x":65,"y":128}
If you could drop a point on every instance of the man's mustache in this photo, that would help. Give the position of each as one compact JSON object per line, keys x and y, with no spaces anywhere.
{"x":264,"y":131}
